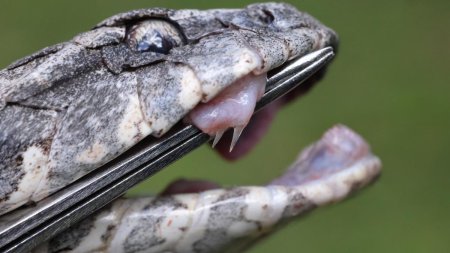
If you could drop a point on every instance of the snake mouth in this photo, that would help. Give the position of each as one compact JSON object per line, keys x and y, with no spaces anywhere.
{"x":328,"y":170}
{"x":230,"y":115}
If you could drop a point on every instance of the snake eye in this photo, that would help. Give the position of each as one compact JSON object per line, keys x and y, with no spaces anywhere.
{"x":157,"y":36}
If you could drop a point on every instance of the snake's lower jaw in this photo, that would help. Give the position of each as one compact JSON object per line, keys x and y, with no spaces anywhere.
{"x":194,"y":215}
{"x":331,"y":169}
{"x":334,"y":167}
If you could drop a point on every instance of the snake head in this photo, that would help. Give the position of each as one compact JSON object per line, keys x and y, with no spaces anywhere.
{"x":136,"y":74}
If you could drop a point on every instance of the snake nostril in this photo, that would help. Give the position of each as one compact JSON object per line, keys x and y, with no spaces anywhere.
{"x":266,"y":17}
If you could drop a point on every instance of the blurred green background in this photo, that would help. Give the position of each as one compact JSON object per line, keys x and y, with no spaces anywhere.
{"x":390,"y":82}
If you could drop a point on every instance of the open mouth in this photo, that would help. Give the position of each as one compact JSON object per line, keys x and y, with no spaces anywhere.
{"x":327,"y":171}
{"x":92,"y":103}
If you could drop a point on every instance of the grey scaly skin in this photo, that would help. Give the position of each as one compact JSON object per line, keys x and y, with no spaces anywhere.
{"x":227,"y":220}
{"x":72,"y":107}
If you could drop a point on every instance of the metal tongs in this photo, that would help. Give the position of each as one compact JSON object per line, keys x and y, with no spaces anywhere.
{"x":24,"y":229}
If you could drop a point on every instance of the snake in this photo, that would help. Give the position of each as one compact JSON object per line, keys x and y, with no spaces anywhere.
{"x":74,"y":106}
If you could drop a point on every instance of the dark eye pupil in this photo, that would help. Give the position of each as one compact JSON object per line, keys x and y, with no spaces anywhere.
{"x":154,"y":42}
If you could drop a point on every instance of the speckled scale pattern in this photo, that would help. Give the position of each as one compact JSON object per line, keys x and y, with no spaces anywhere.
{"x":213,"y":221}
{"x":92,"y":98}
{"x":33,"y":131}
{"x":43,"y":52}
{"x":164,"y":102}
{"x":100,"y":37}
{"x":28,"y":80}
{"x":229,"y":58}
{"x":227,"y":220}
{"x":119,"y":58}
